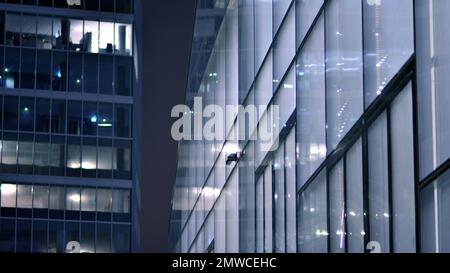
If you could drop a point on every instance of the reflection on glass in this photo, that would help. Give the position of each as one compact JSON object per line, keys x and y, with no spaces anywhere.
{"x":73,"y":199}
{"x":8,"y":195}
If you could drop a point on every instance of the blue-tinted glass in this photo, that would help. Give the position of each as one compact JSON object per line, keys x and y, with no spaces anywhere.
{"x":122,"y":159}
{"x":121,"y":238}
{"x":123,"y":120}
{"x":43,"y":115}
{"x":73,"y":156}
{"x":90,"y":78}
{"x":2,"y":26}
{"x":56,"y":237}
{"x":44,"y":32}
{"x":72,"y":233}
{"x":11,"y":115}
{"x":2,"y":68}
{"x":9,"y":153}
{"x":1,"y":112}
{"x":89,"y":157}
{"x":7,"y":233}
{"x":23,"y":244}
{"x":12,"y":29}
{"x":105,"y":159}
{"x":74,"y":118}
{"x":40,"y":237}
{"x":41,"y":154}
{"x":43,"y":70}
{"x":58,"y":117}
{"x":11,"y":70}
{"x":26,"y":114}
{"x":87,"y":238}
{"x":59,"y":73}
{"x":123,"y":75}
{"x":29,"y":24}
{"x":103,"y":238}
{"x":90,"y":118}
{"x":57,"y":155}
{"x":105,"y":121}
{"x":25,"y":154}
{"x":27,"y":69}
{"x":106,"y":75}
{"x":75,"y":71}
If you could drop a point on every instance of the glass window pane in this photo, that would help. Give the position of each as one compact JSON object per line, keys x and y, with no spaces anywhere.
{"x":2,"y":26}
{"x":311,"y":105}
{"x":88,"y":199}
{"x":105,"y":159}
{"x":306,"y":12}
{"x":75,"y":72}
{"x":27,"y":75}
{"x":90,"y":78}
{"x":73,"y":199}
{"x":59,"y":71}
{"x":61,"y":31}
{"x":106,"y":77}
{"x":43,"y":115}
{"x":8,"y":195}
{"x":56,"y":242}
{"x":41,"y":197}
{"x":41,"y":155}
{"x":291,"y":193}
{"x":279,"y":201}
{"x":246,"y":46}
{"x":124,"y":39}
{"x":337,"y":209}
{"x":10,"y":113}
{"x":403,"y":186}
{"x":58,"y":116}
{"x":384,"y":53}
{"x":29,"y":30}
{"x":8,"y":231}
{"x":44,"y":32}
{"x":121,"y":238}
{"x":123,"y":75}
{"x":312,"y":219}
{"x":123,"y":120}
{"x":23,"y":236}
{"x":344,"y":68}
{"x":378,"y":183}
{"x":11,"y":70}
{"x":25,"y":152}
{"x":355,"y":202}
{"x":122,"y":160}
{"x":9,"y":156}
{"x":74,"y":118}
{"x":104,"y":200}
{"x":103,"y":238}
{"x":124,"y":6}
{"x":106,"y":37}
{"x":27,"y":114}
{"x":121,"y":201}
{"x":87,"y":238}
{"x":40,"y":237}
{"x":12,"y":29}
{"x":90,"y":118}
{"x":105,"y":119}
{"x":107,"y":5}
{"x":72,"y":235}
{"x":57,"y":198}
{"x":73,"y":157}
{"x":89,"y":157}
{"x":284,"y":47}
{"x":57,"y":155}
{"x":76,"y":35}
{"x":91,"y":29}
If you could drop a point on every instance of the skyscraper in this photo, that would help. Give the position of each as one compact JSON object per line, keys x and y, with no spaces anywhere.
{"x":360,"y":160}
{"x":68,"y":89}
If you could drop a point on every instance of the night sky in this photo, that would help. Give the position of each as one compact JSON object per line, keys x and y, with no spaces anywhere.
{"x":168,"y":28}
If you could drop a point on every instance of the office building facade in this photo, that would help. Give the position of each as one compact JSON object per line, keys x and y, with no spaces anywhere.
{"x":362,"y":161}
{"x":68,"y":85}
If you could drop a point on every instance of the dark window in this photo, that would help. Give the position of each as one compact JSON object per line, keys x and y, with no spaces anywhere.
{"x":1,"y":112}
{"x":123,"y":75}
{"x":59,"y":71}
{"x":11,"y":116}
{"x":27,"y":114}
{"x":12,"y":29}
{"x":107,"y":5}
{"x":90,"y":78}
{"x":23,"y":236}
{"x":123,"y":6}
{"x":2,"y":68}
{"x":27,"y":68}
{"x":44,"y":32}
{"x":56,"y":237}
{"x":123,"y":120}
{"x":72,"y":232}
{"x":11,"y":70}
{"x":106,"y":75}
{"x":43,"y":115}
{"x":91,"y":5}
{"x":7,"y":235}
{"x":2,"y":26}
{"x":103,"y":238}
{"x":29,"y":24}
{"x":43,"y":70}
{"x":58,"y":116}
{"x":40,"y":237}
{"x":61,"y":33}
{"x":122,"y":159}
{"x":121,"y":238}
{"x":74,"y":118}
{"x":87,"y":238}
{"x":46,"y":3}
{"x":90,"y":118}
{"x":75,"y":71}
{"x":105,"y":119}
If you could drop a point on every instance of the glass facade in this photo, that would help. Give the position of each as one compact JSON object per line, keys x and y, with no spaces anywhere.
{"x":66,"y":131}
{"x":362,"y":158}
